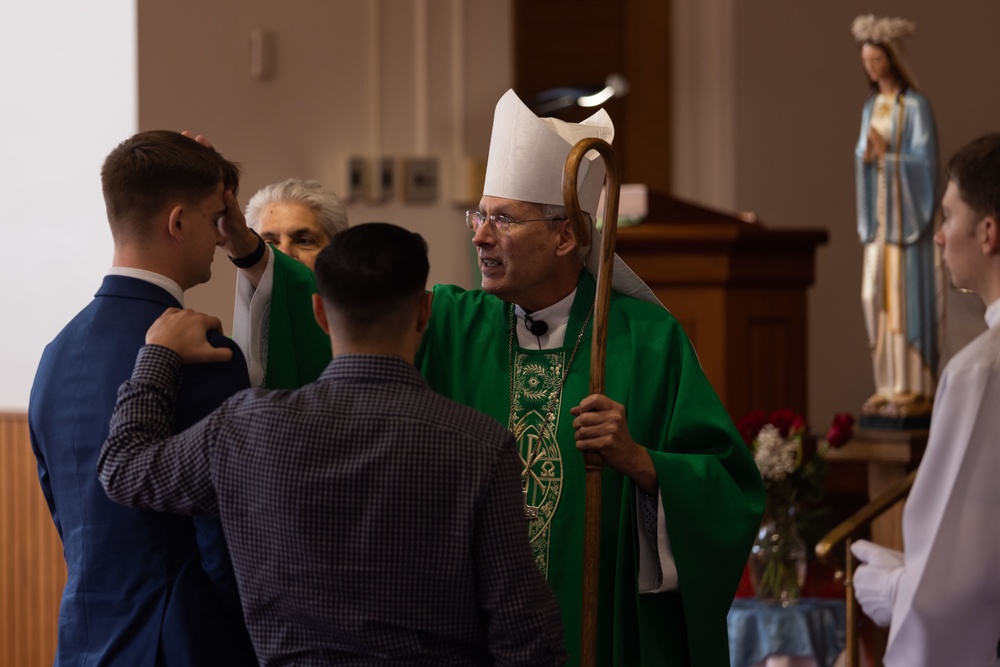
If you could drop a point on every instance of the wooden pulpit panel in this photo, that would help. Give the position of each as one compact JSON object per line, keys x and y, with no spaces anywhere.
{"x":739,"y":290}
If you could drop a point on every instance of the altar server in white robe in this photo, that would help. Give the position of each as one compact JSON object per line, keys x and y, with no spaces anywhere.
{"x":941,"y":596}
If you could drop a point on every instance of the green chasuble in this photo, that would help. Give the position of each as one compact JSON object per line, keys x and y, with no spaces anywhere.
{"x":711,"y":491}
{"x":297,"y":349}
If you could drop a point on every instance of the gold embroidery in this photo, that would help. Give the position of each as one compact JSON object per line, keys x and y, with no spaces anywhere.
{"x":537,"y":388}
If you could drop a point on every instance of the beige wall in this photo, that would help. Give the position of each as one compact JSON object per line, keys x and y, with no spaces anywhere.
{"x":437,"y":79}
{"x":799,"y":92}
{"x":769,"y":96}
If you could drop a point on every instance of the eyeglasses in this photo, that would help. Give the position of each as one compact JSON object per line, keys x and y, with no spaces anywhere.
{"x":502,"y":223}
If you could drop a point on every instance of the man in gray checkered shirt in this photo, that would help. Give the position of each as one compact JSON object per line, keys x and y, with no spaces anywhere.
{"x":371,"y":521}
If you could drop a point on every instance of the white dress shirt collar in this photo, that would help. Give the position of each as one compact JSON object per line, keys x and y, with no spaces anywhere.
{"x":150,"y":277}
{"x":555,"y":316}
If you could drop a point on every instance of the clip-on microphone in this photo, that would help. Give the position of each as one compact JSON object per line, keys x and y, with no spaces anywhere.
{"x":536,"y":328}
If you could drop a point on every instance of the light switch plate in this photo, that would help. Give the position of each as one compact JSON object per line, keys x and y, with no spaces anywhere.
{"x":420,"y":180}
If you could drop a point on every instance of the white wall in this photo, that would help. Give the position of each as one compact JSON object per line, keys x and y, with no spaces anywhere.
{"x":68,"y":71}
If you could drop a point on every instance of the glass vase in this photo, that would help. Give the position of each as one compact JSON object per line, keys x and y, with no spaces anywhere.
{"x":778,"y":557}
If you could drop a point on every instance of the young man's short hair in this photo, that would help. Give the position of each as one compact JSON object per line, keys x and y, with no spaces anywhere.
{"x":149,"y":170}
{"x":975,"y":168}
{"x":369,"y":271}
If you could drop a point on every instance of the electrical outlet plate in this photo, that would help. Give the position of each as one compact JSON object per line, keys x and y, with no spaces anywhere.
{"x":420,"y":180}
{"x":386,"y":179}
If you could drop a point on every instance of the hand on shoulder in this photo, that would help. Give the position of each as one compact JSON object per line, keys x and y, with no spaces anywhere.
{"x":186,"y":333}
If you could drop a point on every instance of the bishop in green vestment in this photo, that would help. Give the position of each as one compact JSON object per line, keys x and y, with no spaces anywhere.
{"x":682,"y":498}
{"x":710,"y":490}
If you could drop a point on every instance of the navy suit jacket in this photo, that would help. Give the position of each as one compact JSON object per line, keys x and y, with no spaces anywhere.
{"x":140,"y":589}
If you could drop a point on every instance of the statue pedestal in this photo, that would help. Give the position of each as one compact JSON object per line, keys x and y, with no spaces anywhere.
{"x":883,"y":423}
{"x":902,"y":412}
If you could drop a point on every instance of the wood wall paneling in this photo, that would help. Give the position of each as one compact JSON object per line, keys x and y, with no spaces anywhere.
{"x":739,"y":290}
{"x":645,"y":141}
{"x":766,"y":364}
{"x":560,"y":43}
{"x":32,"y":569}
{"x":767,"y":340}
{"x":701,"y":313}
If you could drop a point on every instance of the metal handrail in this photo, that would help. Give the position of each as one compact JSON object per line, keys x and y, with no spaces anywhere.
{"x":843,"y":533}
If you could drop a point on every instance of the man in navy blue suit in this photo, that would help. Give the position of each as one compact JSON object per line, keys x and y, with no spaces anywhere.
{"x":143,"y":588}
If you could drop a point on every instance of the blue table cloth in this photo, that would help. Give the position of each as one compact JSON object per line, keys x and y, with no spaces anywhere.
{"x":812,"y":627}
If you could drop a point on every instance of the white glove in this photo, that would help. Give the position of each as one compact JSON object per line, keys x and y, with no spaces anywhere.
{"x":875,"y":581}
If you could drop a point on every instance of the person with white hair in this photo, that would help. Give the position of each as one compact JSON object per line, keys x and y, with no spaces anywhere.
{"x":681,"y":496}
{"x":298,"y":218}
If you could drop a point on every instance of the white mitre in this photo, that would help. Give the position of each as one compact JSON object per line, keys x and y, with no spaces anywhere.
{"x":527,"y":155}
{"x":526,"y":161}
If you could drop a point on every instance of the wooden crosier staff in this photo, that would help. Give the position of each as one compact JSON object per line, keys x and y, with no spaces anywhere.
{"x":594,"y":462}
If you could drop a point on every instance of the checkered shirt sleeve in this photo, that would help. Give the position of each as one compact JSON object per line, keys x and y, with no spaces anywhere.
{"x":140,"y":464}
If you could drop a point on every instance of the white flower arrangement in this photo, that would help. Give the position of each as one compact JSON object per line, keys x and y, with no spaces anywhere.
{"x":776,"y":457}
{"x":786,"y":464}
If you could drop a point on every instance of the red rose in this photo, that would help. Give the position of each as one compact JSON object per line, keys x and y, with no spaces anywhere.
{"x":750,"y":424}
{"x":841,"y":430}
{"x":798,"y":426}
{"x":784,"y":420}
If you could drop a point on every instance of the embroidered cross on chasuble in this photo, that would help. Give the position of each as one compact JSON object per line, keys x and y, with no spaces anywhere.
{"x":535,"y":414}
